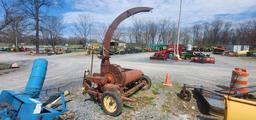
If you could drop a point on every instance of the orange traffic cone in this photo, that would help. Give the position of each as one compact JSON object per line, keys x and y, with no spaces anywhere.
{"x":167,"y":80}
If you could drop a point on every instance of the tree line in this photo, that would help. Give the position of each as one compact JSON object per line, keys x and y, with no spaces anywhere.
{"x":216,"y":32}
{"x":219,"y":32}
{"x":29,"y":21}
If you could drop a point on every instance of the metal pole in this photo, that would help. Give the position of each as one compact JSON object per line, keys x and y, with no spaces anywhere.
{"x":16,"y":43}
{"x":92,"y":59}
{"x":178,"y":40}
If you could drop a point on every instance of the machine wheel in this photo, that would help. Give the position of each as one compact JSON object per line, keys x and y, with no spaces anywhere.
{"x":147,"y":80}
{"x":111,"y":103}
{"x":185,"y":95}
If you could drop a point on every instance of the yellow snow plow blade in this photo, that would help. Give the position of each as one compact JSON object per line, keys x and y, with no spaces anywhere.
{"x":239,"y":109}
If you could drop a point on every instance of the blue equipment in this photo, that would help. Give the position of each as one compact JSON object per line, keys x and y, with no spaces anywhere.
{"x":26,"y":105}
{"x":37,"y":77}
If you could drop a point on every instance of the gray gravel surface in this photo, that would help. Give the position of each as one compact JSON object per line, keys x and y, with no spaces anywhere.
{"x":63,"y":69}
{"x":68,"y":70}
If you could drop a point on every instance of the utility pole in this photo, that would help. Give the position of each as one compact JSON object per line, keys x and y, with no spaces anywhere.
{"x":178,"y":40}
{"x":36,"y":15}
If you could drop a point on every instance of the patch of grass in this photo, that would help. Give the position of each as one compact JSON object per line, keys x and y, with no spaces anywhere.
{"x":155,"y":89}
{"x":170,"y":103}
{"x":150,"y":98}
{"x":144,"y":98}
{"x":158,"y":88}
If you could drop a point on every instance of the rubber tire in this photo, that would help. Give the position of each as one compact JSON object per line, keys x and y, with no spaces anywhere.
{"x":185,"y":98}
{"x":148,"y":80}
{"x":118,"y":100}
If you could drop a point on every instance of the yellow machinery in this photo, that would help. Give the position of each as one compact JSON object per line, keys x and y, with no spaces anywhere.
{"x":234,"y":106}
{"x":95,"y":45}
{"x":242,"y":53}
{"x":239,"y":109}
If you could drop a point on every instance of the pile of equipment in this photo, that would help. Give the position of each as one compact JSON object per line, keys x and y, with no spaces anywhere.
{"x":202,"y":58}
{"x":164,"y":54}
{"x":239,"y":97}
{"x":218,"y":50}
{"x":26,"y":105}
{"x":160,"y":55}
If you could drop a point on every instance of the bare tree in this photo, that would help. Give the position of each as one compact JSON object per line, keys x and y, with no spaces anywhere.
{"x":150,"y":30}
{"x":225,"y":35}
{"x":172,"y":36}
{"x":166,"y":31}
{"x":216,"y":27}
{"x":52,"y":30}
{"x":245,"y":33}
{"x":16,"y":29}
{"x":163,"y":31}
{"x":130,"y":34}
{"x":33,"y":9}
{"x":185,"y":36}
{"x":196,"y":33}
{"x":8,"y":14}
{"x":101,"y":31}
{"x":219,"y":32}
{"x":206,"y":34}
{"x":137,"y":31}
{"x":14,"y":22}
{"x":118,"y":33}
{"x":83,"y":27}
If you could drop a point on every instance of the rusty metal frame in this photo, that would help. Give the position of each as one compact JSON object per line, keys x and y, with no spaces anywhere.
{"x":112,"y":28}
{"x":121,"y":76}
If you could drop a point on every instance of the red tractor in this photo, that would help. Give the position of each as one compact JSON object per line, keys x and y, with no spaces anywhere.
{"x":202,"y":58}
{"x":161,"y":55}
{"x":172,"y":48}
{"x":164,"y":54}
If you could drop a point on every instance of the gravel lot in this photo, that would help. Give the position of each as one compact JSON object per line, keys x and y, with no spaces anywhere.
{"x":68,"y":69}
{"x":63,"y":69}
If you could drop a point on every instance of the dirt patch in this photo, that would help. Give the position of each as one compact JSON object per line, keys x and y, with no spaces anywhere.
{"x":144,"y":98}
{"x":4,"y":66}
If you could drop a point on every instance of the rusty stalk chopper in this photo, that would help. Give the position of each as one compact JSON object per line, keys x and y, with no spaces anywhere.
{"x":115,"y":84}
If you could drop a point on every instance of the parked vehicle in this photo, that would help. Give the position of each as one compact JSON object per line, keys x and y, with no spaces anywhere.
{"x":218,"y":50}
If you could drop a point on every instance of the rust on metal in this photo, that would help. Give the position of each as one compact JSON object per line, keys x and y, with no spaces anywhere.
{"x":128,"y":99}
{"x":134,"y":89}
{"x":113,"y":26}
{"x":132,"y":75}
{"x":112,"y":77}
